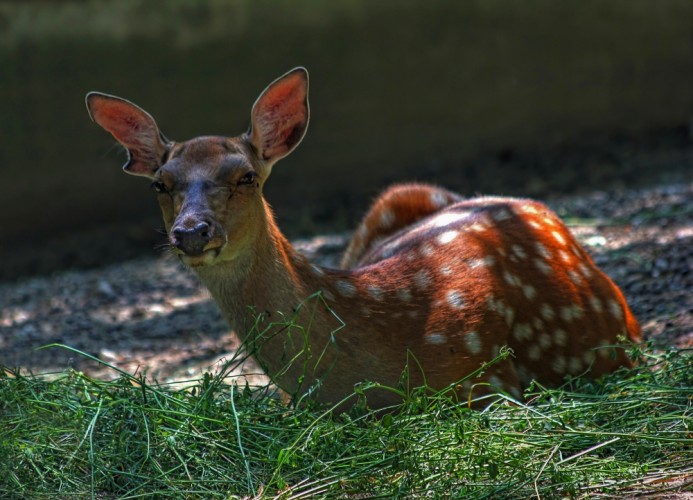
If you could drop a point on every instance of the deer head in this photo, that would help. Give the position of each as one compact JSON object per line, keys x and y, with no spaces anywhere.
{"x":210,"y":188}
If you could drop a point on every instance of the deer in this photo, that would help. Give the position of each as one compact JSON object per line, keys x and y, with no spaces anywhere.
{"x":430,"y":289}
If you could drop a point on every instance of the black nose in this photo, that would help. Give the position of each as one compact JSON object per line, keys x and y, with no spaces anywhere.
{"x":192,"y":240}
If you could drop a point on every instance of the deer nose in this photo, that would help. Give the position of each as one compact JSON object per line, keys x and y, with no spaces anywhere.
{"x":192,"y":240}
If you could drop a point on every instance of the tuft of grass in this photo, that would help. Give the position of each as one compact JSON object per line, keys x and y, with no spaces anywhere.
{"x":75,"y":436}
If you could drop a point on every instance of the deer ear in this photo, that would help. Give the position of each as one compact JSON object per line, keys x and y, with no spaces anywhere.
{"x":280,"y":115}
{"x":132,"y":127}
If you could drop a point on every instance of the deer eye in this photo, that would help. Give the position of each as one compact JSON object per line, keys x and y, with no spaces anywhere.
{"x":248,"y":179}
{"x":159,"y":187}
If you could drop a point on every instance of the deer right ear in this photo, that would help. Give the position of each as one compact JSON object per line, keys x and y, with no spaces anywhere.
{"x":279,"y":118}
{"x":132,"y":127}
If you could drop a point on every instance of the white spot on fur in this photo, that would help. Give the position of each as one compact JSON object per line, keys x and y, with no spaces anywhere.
{"x":547,"y":312}
{"x":501,"y":215}
{"x":535,"y":224}
{"x":328,"y":295}
{"x":473,"y":343}
{"x":560,"y":337}
{"x":422,"y":279}
{"x":574,"y":277}
{"x":495,"y":382}
{"x":588,"y":357}
{"x":477,"y":227}
{"x":387,"y":218}
{"x":345,"y":288}
{"x":529,"y":209}
{"x":522,"y":332}
{"x":455,"y":299}
{"x":596,"y":303}
{"x":558,"y":236}
{"x":446,"y":271}
{"x":566,"y":313}
{"x":558,"y":364}
{"x":519,"y":252}
{"x":426,"y":249}
{"x":447,"y":237}
{"x":542,"y":250}
{"x":317,"y":270}
{"x":375,"y":292}
{"x":529,"y":291}
{"x":511,"y":279}
{"x":604,"y":351}
{"x":549,"y":221}
{"x":544,"y":340}
{"x":565,"y":256}
{"x":506,"y":312}
{"x":523,"y":375}
{"x":584,"y":270}
{"x":533,"y":352}
{"x":538,"y":324}
{"x":435,"y":338}
{"x":542,"y":266}
{"x":574,"y":365}
{"x":615,"y":310}
{"x":439,"y":199}
{"x":448,"y":218}
{"x":489,"y":260}
{"x":514,"y":391}
{"x":509,"y":315}
{"x":403,"y":294}
{"x":496,"y":305}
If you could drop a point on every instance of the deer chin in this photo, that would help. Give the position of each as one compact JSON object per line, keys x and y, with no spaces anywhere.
{"x":206,"y":258}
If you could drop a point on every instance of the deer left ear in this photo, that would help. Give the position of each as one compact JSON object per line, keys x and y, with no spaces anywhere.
{"x":280,"y":115}
{"x":132,"y":127}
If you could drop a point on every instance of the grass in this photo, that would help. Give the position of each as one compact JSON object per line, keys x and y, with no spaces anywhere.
{"x":74,"y":436}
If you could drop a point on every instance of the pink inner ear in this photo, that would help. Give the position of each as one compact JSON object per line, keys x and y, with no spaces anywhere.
{"x":127,"y":124}
{"x":133,"y":128}
{"x":280,"y":116}
{"x":287,"y":92}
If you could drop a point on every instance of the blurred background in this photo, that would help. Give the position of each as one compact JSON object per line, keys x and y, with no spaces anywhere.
{"x":484,"y":96}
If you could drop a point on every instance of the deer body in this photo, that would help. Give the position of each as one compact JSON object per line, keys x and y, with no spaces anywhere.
{"x":430,"y":281}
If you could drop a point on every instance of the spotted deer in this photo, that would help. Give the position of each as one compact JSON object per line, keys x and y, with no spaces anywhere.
{"x":432,"y":284}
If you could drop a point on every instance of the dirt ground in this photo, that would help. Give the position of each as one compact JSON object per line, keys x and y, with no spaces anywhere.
{"x":149,"y":314}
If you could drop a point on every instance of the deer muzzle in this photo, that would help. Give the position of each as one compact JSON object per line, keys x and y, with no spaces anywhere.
{"x":192,"y":240}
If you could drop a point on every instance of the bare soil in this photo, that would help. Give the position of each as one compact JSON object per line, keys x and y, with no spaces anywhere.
{"x":150,"y":314}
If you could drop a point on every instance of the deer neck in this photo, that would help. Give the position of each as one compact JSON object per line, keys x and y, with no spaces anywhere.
{"x":268,"y":296}
{"x":265,"y":277}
